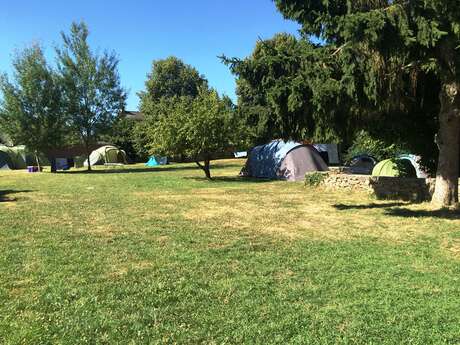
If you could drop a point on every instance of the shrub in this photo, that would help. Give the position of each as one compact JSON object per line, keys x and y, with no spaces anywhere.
{"x":314,"y":179}
{"x":364,"y":143}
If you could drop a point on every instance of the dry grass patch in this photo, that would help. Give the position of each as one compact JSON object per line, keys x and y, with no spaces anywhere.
{"x":295,"y":212}
{"x":451,"y":247}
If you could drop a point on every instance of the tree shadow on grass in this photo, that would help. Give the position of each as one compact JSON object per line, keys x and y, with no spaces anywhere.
{"x":230,"y":179}
{"x":441,"y":213}
{"x":163,"y":168}
{"x":344,"y":207}
{"x":4,"y":194}
{"x":394,"y":209}
{"x":126,"y":170}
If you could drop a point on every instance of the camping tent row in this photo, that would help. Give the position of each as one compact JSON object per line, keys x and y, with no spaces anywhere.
{"x":283,"y":160}
{"x":18,"y":158}
{"x":402,"y":166}
{"x":113,"y":155}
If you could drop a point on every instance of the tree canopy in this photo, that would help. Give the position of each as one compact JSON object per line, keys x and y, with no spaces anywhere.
{"x":170,"y":77}
{"x":197,"y":128}
{"x":291,"y":88}
{"x":31,"y":111}
{"x":92,"y":93}
{"x":383,"y":42}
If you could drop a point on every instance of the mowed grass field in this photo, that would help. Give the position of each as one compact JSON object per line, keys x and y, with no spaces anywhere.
{"x":162,"y":256}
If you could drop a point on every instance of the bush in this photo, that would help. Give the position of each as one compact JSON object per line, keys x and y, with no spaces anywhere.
{"x":314,"y":179}
{"x":364,"y":143}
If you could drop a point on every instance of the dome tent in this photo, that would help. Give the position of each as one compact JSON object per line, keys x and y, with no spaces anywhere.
{"x":415,"y":161}
{"x":156,"y":160}
{"x":362,"y":164}
{"x":106,"y":154}
{"x":283,"y":160}
{"x":398,"y":167}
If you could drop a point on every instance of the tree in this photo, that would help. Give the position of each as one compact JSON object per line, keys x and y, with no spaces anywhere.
{"x":123,"y":134}
{"x":197,"y":128}
{"x":31,"y":112}
{"x":289,"y":88}
{"x":93,"y":96}
{"x":292,"y":89}
{"x":169,"y":78}
{"x":380,"y":43}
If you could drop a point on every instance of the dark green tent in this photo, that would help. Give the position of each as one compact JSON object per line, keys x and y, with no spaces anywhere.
{"x":5,"y":161}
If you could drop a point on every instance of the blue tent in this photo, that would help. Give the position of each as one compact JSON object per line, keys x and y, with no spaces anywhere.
{"x":155,"y":161}
{"x":285,"y":160}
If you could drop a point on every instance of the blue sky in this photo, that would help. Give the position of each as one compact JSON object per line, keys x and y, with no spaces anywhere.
{"x":141,"y":31}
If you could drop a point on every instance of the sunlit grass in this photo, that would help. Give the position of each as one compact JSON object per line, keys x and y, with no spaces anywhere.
{"x":163,"y":256}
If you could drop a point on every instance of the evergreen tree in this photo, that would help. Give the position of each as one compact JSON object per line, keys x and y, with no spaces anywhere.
{"x":380,"y":43}
{"x":290,"y":89}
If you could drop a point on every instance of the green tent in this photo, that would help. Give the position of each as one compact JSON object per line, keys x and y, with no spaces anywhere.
{"x":5,"y":161}
{"x":400,"y":167}
{"x":17,"y":156}
{"x":107,"y":155}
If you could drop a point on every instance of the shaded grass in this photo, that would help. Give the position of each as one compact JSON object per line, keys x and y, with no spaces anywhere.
{"x":164,"y":256}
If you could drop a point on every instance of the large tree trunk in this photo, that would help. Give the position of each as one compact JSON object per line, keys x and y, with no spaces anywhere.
{"x":206,"y":166}
{"x":446,"y":189}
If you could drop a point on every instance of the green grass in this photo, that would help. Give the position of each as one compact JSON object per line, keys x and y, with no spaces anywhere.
{"x":163,"y":256}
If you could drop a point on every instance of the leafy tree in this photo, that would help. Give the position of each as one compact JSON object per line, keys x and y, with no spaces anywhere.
{"x":364,"y":143}
{"x":91,"y":86}
{"x":380,"y":43}
{"x":139,"y":138}
{"x":170,"y":77}
{"x":123,"y":134}
{"x":31,"y":111}
{"x":197,"y":128}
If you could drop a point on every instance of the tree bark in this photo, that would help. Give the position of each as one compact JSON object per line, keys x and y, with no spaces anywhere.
{"x":88,"y":153}
{"x":446,"y":189}
{"x":206,"y":167}
{"x":38,"y":161}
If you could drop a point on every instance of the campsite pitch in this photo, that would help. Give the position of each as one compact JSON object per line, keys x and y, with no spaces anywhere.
{"x":160,"y":255}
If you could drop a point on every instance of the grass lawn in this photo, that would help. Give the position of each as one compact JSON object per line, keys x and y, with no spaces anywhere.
{"x":154,"y":256}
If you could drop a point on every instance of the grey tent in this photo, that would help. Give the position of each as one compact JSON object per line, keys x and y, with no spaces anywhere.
{"x":362,"y":165}
{"x":283,"y":160}
{"x":329,"y":153}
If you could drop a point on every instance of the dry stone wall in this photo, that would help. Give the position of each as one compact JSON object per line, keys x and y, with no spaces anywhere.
{"x":413,"y":189}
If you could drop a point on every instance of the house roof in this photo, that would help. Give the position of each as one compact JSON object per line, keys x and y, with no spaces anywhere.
{"x":133,"y":115}
{"x":72,"y":151}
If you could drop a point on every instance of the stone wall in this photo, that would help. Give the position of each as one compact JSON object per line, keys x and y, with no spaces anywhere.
{"x":413,"y":189}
